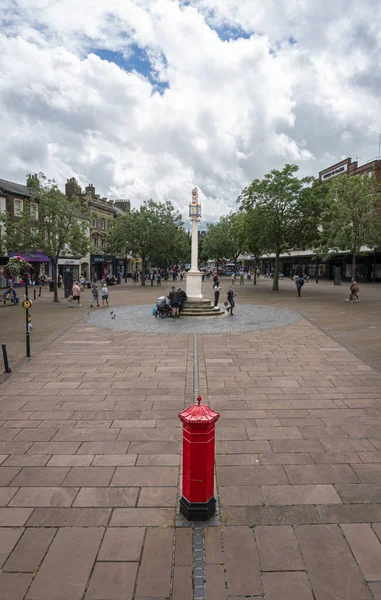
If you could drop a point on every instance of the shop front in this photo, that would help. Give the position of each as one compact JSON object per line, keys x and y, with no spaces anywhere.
{"x":40,"y":262}
{"x":97,"y":266}
{"x":101,"y":266}
{"x":69,"y":266}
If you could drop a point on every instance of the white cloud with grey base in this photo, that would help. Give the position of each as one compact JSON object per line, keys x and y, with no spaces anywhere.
{"x":146,"y":99}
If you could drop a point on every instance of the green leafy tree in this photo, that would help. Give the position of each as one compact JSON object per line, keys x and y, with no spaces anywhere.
{"x":203,"y":255}
{"x":236,"y":226}
{"x":227,"y":238}
{"x":61,"y":228}
{"x":215,"y":244}
{"x":317,"y":209}
{"x":151,"y":232}
{"x":254,"y":239}
{"x":281,"y":211}
{"x":117,"y":241}
{"x":18,"y":234}
{"x":352,"y":221}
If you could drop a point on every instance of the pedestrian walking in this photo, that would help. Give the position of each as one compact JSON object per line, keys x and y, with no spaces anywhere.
{"x":299,"y":282}
{"x":158,"y":279}
{"x":216,"y":291}
{"x":230,"y":299}
{"x":75,"y":294}
{"x":233,"y":278}
{"x":242,"y":278}
{"x":104,"y":293}
{"x":95,"y":294}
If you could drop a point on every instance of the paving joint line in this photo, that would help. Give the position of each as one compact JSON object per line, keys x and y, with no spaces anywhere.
{"x":199,"y":566}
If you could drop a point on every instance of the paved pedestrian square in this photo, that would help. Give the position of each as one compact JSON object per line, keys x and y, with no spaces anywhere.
{"x":90,"y":470}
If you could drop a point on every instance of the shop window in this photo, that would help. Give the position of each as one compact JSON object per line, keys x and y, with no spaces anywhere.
{"x":34,"y":210}
{"x":18,"y":207}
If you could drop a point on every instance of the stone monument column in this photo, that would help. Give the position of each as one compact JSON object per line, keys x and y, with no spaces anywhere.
{"x":193,"y":286}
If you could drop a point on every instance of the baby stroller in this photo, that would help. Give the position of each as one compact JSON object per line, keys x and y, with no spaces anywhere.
{"x":163,"y":307}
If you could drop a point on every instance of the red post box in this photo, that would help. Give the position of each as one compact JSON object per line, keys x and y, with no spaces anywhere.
{"x":197,"y":502}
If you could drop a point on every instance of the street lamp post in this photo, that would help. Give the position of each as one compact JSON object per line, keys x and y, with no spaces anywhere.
{"x":194,"y":276}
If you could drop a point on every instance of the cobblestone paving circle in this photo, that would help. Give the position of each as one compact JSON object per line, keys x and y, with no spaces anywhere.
{"x":139,"y":319}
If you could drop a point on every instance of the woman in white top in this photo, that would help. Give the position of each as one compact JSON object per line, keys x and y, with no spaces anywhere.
{"x":104,"y":294}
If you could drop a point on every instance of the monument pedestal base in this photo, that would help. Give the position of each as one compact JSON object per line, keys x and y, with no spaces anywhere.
{"x":193,"y":287}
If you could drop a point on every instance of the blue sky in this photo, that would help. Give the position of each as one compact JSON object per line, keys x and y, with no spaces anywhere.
{"x":137,"y":60}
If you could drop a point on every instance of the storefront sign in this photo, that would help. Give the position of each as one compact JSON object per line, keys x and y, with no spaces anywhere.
{"x":69,"y":261}
{"x":33,"y":257}
{"x":97,"y":259}
{"x":335,"y":172}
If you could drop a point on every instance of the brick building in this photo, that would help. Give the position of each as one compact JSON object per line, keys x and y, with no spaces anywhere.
{"x":14,"y":199}
{"x":350,"y":167}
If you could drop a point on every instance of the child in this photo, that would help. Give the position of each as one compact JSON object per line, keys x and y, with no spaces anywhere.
{"x":104,"y":295}
{"x":353,"y":292}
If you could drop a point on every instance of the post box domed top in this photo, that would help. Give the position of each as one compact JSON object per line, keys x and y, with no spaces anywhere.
{"x":199,"y":414}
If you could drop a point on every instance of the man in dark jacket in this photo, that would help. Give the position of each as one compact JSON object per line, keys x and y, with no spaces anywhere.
{"x":183,"y":298}
{"x":299,"y":282}
{"x":174,"y":298}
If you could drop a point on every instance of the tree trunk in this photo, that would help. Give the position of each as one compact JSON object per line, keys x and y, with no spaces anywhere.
{"x":143,"y":274}
{"x":255,"y":272}
{"x":354,"y":264}
{"x":55,"y":280}
{"x":125,"y":270}
{"x":317,"y":271}
{"x":276,"y":273}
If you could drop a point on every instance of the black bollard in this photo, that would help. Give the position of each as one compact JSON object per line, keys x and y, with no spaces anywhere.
{"x":5,"y":357}
{"x":39,"y":293}
{"x":34,"y":293}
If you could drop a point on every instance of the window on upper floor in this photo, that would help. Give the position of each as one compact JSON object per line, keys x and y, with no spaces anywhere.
{"x":103,"y":223}
{"x":18,"y":207}
{"x":95,"y":242}
{"x":94,"y":221}
{"x":103,"y":242}
{"x":34,"y":210}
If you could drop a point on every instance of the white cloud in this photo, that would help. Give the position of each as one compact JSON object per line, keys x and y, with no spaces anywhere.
{"x":300,"y":84}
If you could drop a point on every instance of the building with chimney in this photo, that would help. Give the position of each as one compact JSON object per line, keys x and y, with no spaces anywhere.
{"x":101,"y":213}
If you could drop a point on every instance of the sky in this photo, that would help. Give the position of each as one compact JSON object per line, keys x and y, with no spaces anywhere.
{"x":148,"y":98}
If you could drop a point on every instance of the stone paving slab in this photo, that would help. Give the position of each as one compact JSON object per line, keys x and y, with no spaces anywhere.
{"x":90,"y":472}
